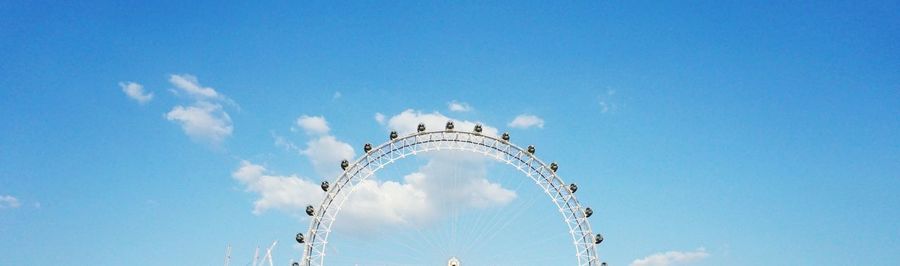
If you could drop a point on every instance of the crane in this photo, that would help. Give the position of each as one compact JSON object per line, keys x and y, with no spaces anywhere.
{"x":227,"y":255}
{"x":268,"y":254}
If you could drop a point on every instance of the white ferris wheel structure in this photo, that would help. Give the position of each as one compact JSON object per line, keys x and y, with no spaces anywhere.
{"x":477,"y":142}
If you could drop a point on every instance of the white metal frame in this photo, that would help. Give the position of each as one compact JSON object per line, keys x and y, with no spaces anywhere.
{"x":489,"y":146}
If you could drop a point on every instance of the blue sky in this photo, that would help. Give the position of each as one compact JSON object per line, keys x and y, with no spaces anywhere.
{"x":721,"y":133}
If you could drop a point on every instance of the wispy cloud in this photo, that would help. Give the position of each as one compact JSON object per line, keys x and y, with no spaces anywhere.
{"x":9,"y":202}
{"x":608,"y":102}
{"x":671,"y":258}
{"x":189,"y":84}
{"x":379,"y":117}
{"x":205,"y":119}
{"x":284,"y":143}
{"x":136,"y":92}
{"x":526,"y":121}
{"x":455,"y":106}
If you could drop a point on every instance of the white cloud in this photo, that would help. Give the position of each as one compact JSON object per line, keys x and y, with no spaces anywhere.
{"x":205,"y":119}
{"x":422,"y":196}
{"x":286,"y":193}
{"x":671,"y":258}
{"x":526,"y":121}
{"x":376,"y":203}
{"x":202,"y":121}
{"x":313,"y":125}
{"x":136,"y":91}
{"x":189,"y":84}
{"x":468,"y":185}
{"x":326,"y":152}
{"x":379,"y":117}
{"x":407,"y":121}
{"x":337,"y":95}
{"x":9,"y":202}
{"x":419,"y":199}
{"x":455,"y":106}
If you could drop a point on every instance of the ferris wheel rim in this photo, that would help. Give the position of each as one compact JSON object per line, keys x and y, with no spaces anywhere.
{"x":583,"y":242}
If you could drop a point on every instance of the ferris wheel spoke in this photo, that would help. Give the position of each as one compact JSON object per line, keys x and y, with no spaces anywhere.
{"x":493,"y":230}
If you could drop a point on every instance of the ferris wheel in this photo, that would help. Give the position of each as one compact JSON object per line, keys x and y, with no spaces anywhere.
{"x":477,"y":142}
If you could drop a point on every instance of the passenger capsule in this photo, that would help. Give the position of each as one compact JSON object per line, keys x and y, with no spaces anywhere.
{"x":477,"y":128}
{"x":393,"y":135}
{"x":603,"y":264}
{"x":325,"y":186}
{"x":449,"y":125}
{"x":300,"y":239}
{"x":554,"y":166}
{"x":573,"y":187}
{"x":531,"y":149}
{"x":598,"y":239}
{"x":505,"y":136}
{"x":298,"y":264}
{"x":367,"y":147}
{"x":345,"y":164}
{"x":421,"y":127}
{"x":588,"y":212}
{"x":310,"y":210}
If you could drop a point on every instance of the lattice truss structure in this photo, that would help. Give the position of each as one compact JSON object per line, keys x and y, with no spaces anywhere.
{"x":502,"y":150}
